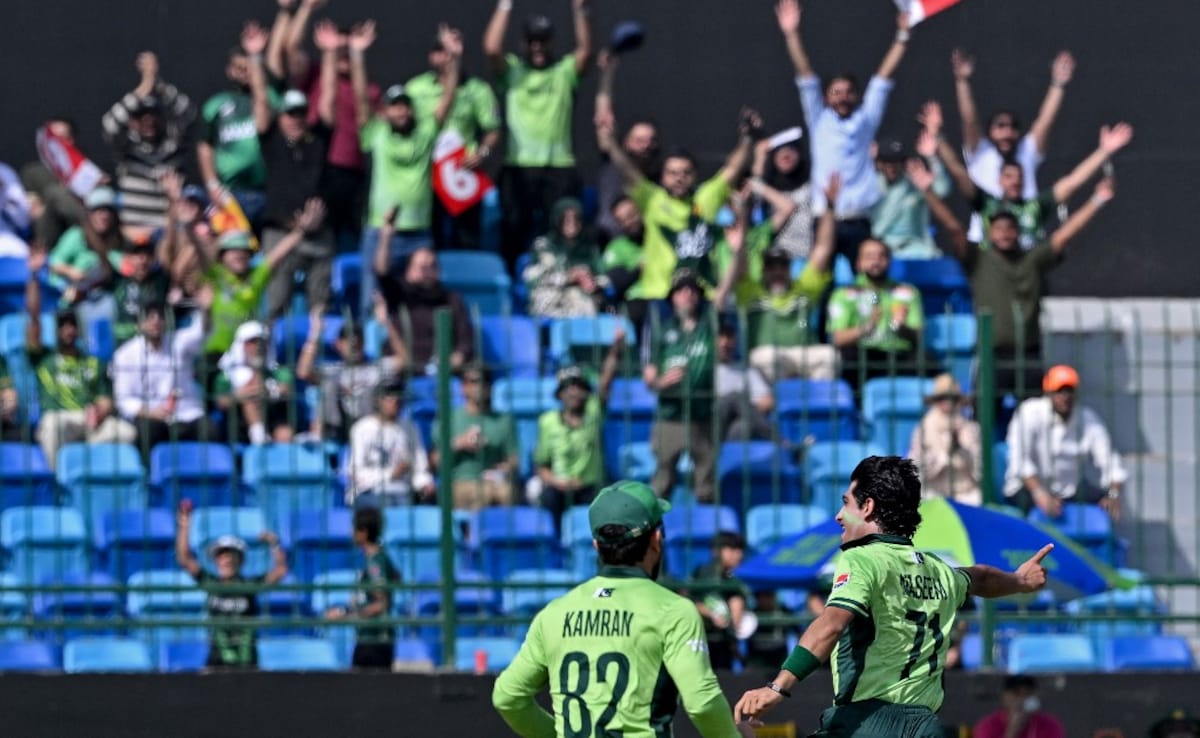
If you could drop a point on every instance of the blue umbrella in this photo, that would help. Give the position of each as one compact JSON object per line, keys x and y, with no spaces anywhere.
{"x":962,"y":534}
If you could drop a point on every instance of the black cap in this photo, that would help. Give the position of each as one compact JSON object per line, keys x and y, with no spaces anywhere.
{"x":776,"y":254}
{"x":572,"y":375}
{"x":538,"y":28}
{"x":685,"y":278}
{"x":66,"y":315}
{"x":391,"y":386}
{"x":147,"y":104}
{"x":1014,"y":682}
{"x":892,"y":149}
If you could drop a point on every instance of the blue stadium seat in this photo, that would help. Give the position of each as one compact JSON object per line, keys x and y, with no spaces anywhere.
{"x":176,"y":657}
{"x":520,"y":289}
{"x":14,"y":274}
{"x":1147,"y":653}
{"x":99,"y":339}
{"x":471,"y":599}
{"x":288,"y":477}
{"x":635,"y":461}
{"x":828,"y":466}
{"x":630,"y":417}
{"x":12,"y":332}
{"x":941,"y":282}
{"x":498,"y":652}
{"x":971,"y":650}
{"x":951,"y":338}
{"x":27,"y":656}
{"x":44,"y":542}
{"x":480,"y":277}
{"x":525,"y":398}
{"x":290,"y":332}
{"x":323,"y":599}
{"x":25,"y":478}
{"x":690,"y":531}
{"x":106,"y":654}
{"x":210,"y":523}
{"x":1090,"y":526}
{"x":102,"y":478}
{"x":282,"y":604}
{"x":413,"y":654}
{"x":529,"y":600}
{"x":346,"y":281}
{"x":201,"y":472}
{"x":320,"y":541}
{"x":766,"y":525}
{"x":756,"y":473}
{"x":1139,"y":603}
{"x":999,"y":466}
{"x":510,"y":345}
{"x":129,"y":541}
{"x":577,"y":542}
{"x":892,"y":407}
{"x":818,"y":408}
{"x":422,"y":404}
{"x":1051,"y":652}
{"x":297,"y":654}
{"x":586,"y":340}
{"x":843,"y":271}
{"x":78,"y":607}
{"x":412,"y":537}
{"x":14,"y":606}
{"x":512,"y":538}
{"x":179,"y":605}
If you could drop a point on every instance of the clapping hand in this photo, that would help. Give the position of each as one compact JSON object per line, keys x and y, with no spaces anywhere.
{"x":362,"y":36}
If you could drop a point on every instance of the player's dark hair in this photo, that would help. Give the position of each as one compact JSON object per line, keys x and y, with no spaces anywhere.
{"x":728,"y":539}
{"x":370,"y":521}
{"x":622,"y":553}
{"x":843,"y":77}
{"x":895,"y":486}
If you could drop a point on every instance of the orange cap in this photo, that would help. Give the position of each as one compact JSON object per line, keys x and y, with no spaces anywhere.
{"x":1059,"y":377}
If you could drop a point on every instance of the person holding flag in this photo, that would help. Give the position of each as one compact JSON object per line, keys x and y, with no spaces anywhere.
{"x":890,"y":616}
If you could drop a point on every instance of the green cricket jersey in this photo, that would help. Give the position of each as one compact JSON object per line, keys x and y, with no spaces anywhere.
{"x":235,"y":300}
{"x":375,"y":577}
{"x":228,"y":121}
{"x":904,"y":602}
{"x":695,"y":351}
{"x":401,"y":172}
{"x":617,"y":653}
{"x":68,"y":382}
{"x":473,"y":112}
{"x":851,"y":307}
{"x":538,"y":108}
{"x":680,"y":233}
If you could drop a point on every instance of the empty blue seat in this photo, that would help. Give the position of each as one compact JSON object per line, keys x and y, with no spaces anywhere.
{"x":422,"y":404}
{"x":480,"y":277}
{"x":412,"y":654}
{"x":510,"y":345}
{"x":333,"y":588}
{"x":766,"y":525}
{"x":635,"y":461}
{"x":44,"y":542}
{"x":525,"y":398}
{"x":512,"y":538}
{"x":12,"y":332}
{"x":892,"y":407}
{"x":181,"y":600}
{"x":27,"y":656}
{"x":1139,"y":603}
{"x":756,"y":473}
{"x":210,"y":523}
{"x":297,"y":654}
{"x":471,"y":600}
{"x":1051,"y":652}
{"x":528,"y":600}
{"x":80,"y":608}
{"x":129,"y":541}
{"x":102,"y":478}
{"x":14,"y":274}
{"x":290,"y":332}
{"x":577,"y":542}
{"x":201,"y":472}
{"x":182,"y":656}
{"x":100,"y":340}
{"x":288,"y":477}
{"x":1147,"y":653}
{"x":498,"y":652}
{"x":345,"y":281}
{"x":1086,"y":524}
{"x":941,"y":282}
{"x":14,"y":606}
{"x":690,"y":530}
{"x":412,"y":537}
{"x":818,"y":408}
{"x":25,"y":477}
{"x":587,"y":340}
{"x":951,"y":338}
{"x":283,"y":604}
{"x":106,"y":654}
{"x":630,"y":418}
{"x":320,"y":541}
{"x":828,"y":465}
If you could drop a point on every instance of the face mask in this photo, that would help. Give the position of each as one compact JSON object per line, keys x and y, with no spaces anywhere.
{"x":1031,"y":704}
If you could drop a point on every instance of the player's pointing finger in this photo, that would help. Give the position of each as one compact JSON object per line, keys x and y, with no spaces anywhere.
{"x":1037,"y":558}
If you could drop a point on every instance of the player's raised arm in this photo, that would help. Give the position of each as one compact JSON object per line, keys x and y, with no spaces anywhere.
{"x":988,"y":581}
{"x":513,"y":693}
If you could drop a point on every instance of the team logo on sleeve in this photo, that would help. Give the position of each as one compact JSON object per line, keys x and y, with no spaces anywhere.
{"x":603,"y":593}
{"x":918,"y":558}
{"x":841,"y":580}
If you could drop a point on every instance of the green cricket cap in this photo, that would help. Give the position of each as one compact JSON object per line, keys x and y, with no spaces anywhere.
{"x":632,"y":505}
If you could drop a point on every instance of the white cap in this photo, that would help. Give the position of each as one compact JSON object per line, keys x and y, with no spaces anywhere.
{"x":225,"y":543}
{"x":249,"y":331}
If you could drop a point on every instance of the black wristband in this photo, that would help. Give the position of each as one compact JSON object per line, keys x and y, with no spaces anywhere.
{"x":776,"y":688}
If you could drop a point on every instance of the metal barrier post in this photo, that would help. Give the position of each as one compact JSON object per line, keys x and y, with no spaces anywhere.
{"x":986,"y":403}
{"x":443,"y":340}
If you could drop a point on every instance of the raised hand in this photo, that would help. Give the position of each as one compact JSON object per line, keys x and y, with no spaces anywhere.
{"x":930,"y":117}
{"x":254,"y":38}
{"x":147,"y":65}
{"x":834,"y":188}
{"x":963,"y":65}
{"x":1032,"y":574}
{"x":903,"y":21}
{"x":1106,"y":189}
{"x":1063,"y":68}
{"x":927,"y":144}
{"x":579,"y":5}
{"x":380,"y":307}
{"x":172,"y":184}
{"x":919,"y":175}
{"x":451,"y":40}
{"x":286,"y":4}
{"x":750,"y":122}
{"x":309,"y":220}
{"x":362,"y":35}
{"x":326,"y":36}
{"x":606,"y":139}
{"x":788,"y":13}
{"x":314,"y":4}
{"x":606,"y":60}
{"x":389,"y":218}
{"x":1116,"y":137}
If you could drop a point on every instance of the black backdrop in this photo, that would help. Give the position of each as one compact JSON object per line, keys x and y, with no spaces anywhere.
{"x":705,"y":58}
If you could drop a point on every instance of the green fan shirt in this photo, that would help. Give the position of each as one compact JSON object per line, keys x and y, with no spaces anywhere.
{"x":68,"y":382}
{"x":235,"y":300}
{"x":230,"y":129}
{"x":679,"y":233}
{"x":538,"y":108}
{"x":499,"y":443}
{"x":904,"y":602}
{"x":375,"y":577}
{"x":784,"y":319}
{"x":1032,"y":215}
{"x":401,"y":172}
{"x":617,"y":653}
{"x":672,"y":346}
{"x":473,"y":112}
{"x":850,"y":307}
{"x":572,"y":453}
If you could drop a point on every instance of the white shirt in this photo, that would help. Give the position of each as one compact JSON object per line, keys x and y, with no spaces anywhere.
{"x":984,"y":163}
{"x":14,"y":214}
{"x":844,"y":145}
{"x":145,"y":377}
{"x":376,"y":447}
{"x":1060,"y":454}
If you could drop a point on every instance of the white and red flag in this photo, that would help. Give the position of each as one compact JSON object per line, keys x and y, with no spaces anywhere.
{"x":919,"y":10}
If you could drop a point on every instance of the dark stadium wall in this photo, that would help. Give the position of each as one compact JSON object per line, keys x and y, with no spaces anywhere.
{"x":702,"y":60}
{"x":427,"y":706}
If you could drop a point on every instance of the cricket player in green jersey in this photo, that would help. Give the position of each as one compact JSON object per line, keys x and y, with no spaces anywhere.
{"x":618,"y":651}
{"x":888,"y":620}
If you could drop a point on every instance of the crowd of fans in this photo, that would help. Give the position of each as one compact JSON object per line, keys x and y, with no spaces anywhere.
{"x":729,"y":278}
